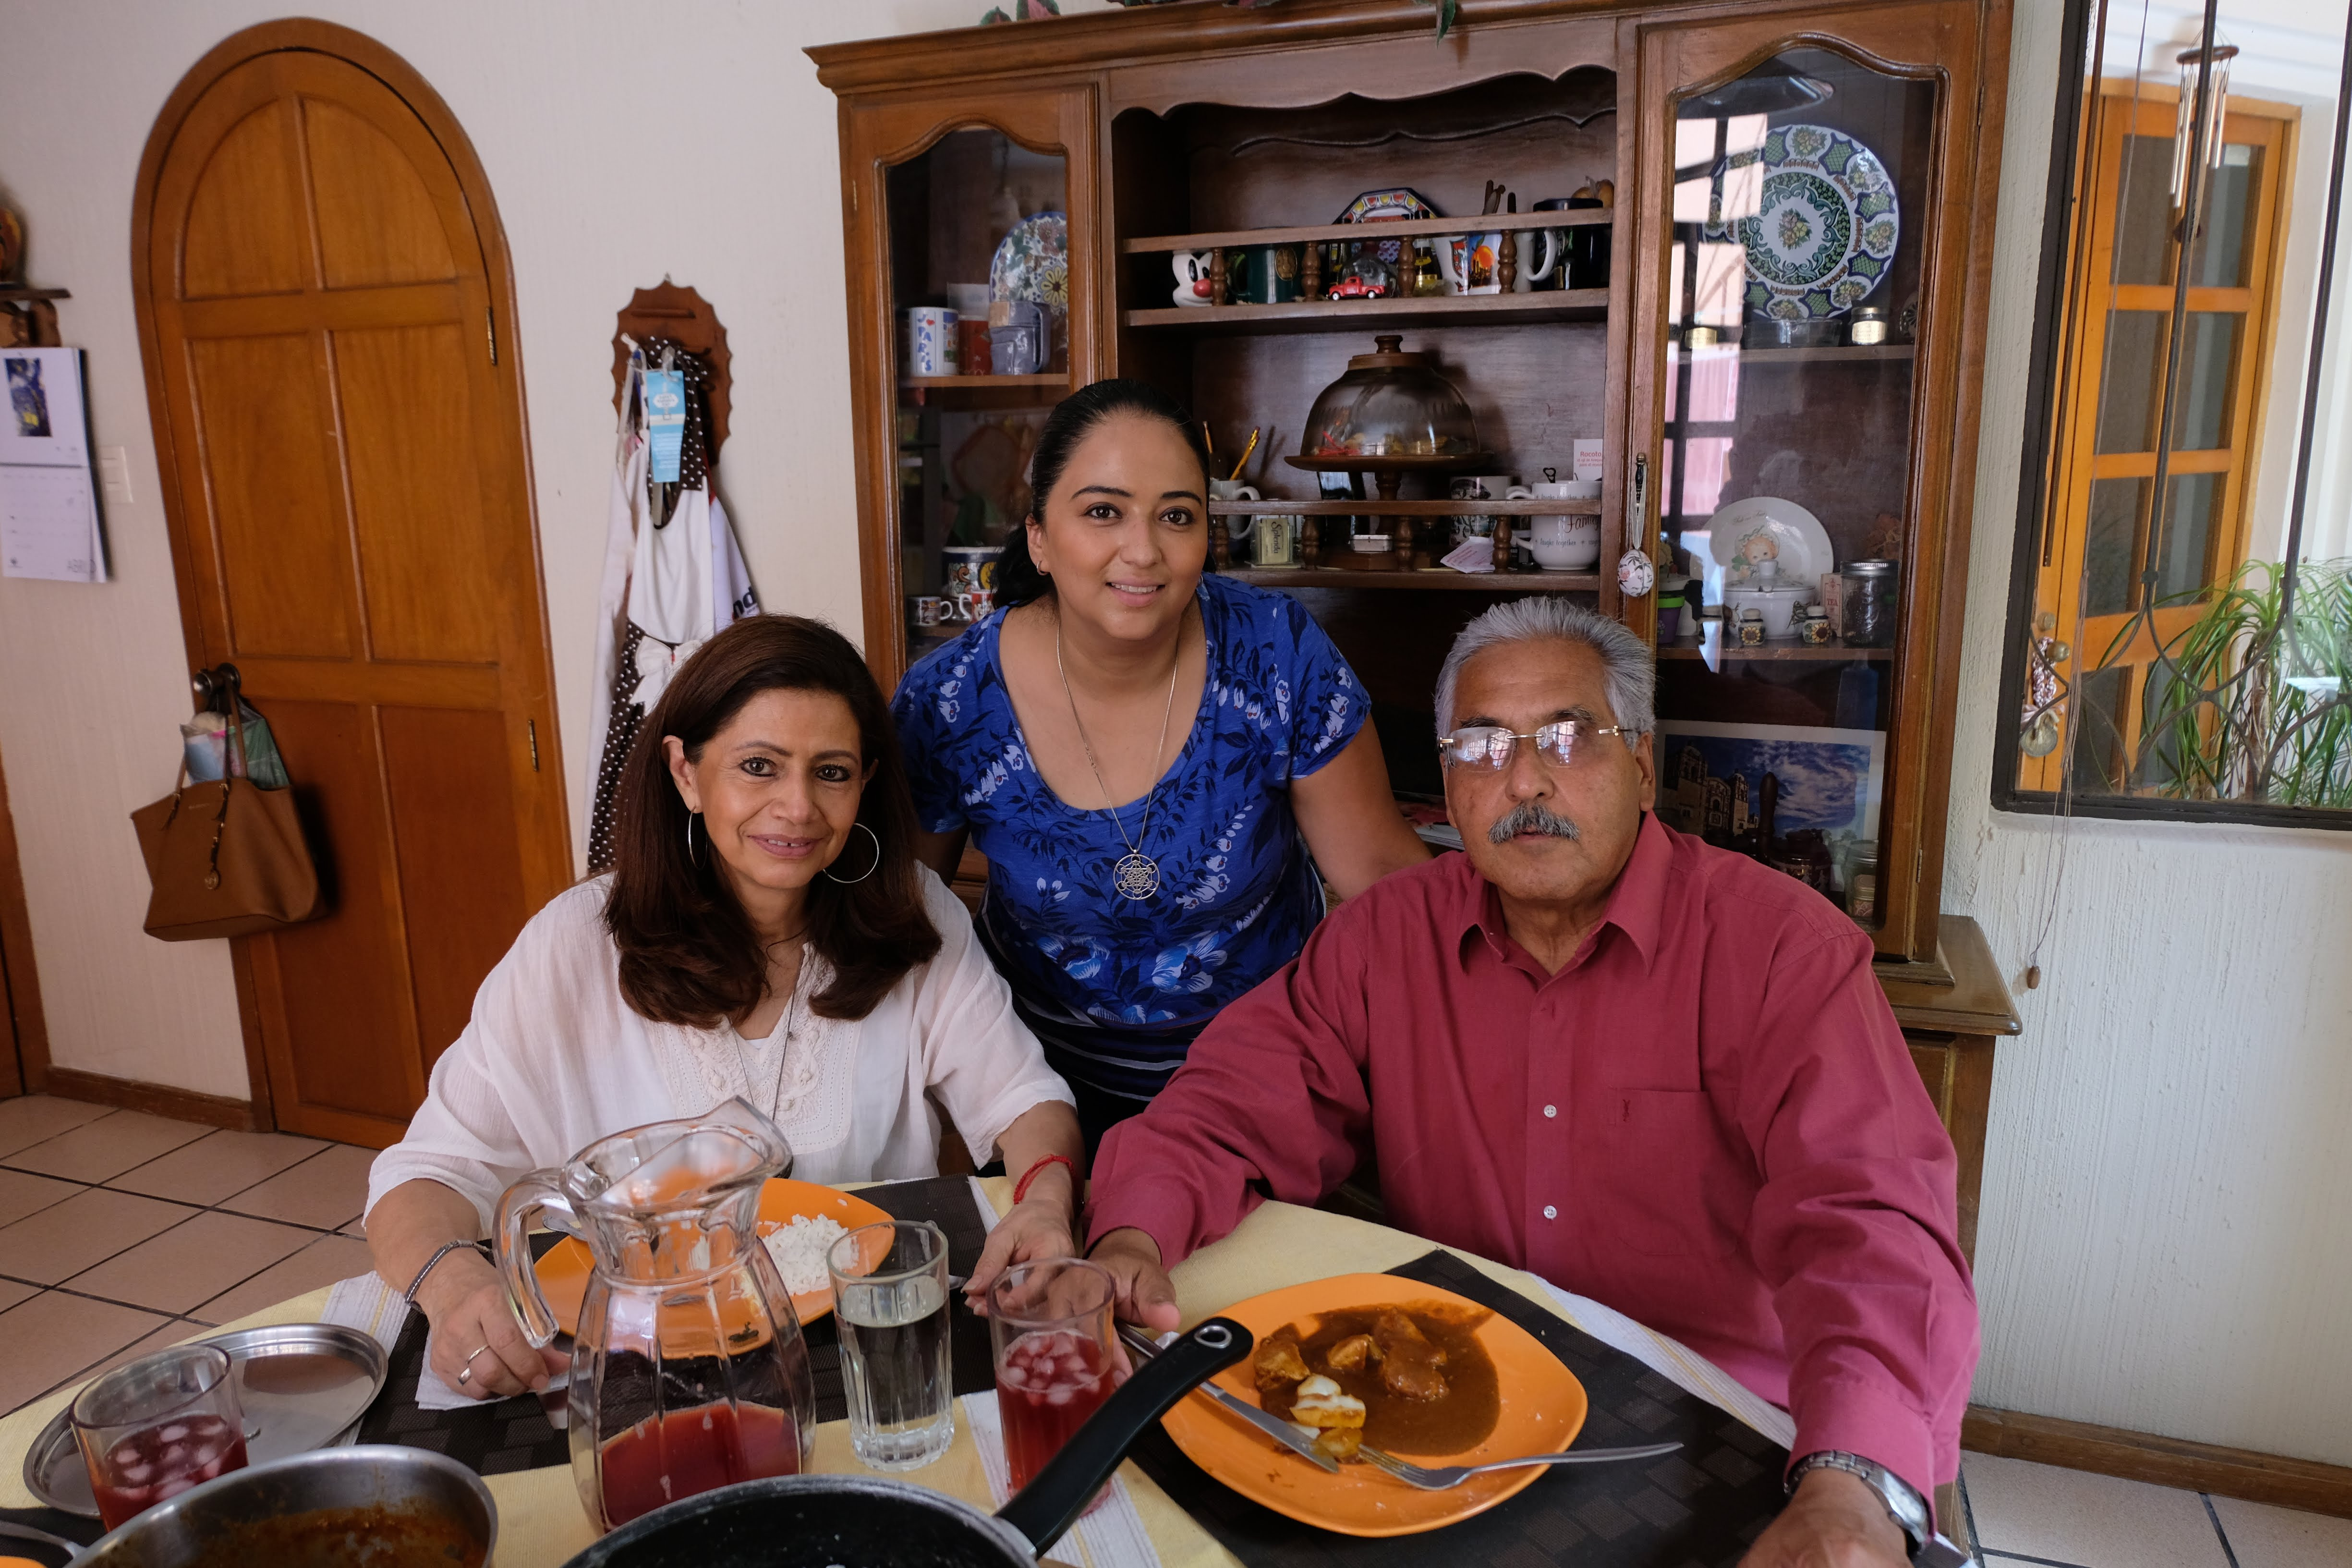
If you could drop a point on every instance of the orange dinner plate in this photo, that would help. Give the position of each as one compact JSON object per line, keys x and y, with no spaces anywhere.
{"x":563,"y":1272}
{"x":1543,"y":1408}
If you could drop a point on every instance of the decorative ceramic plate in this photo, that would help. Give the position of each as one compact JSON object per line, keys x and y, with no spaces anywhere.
{"x":1033,"y":263}
{"x":1381,"y":206}
{"x":1746,"y":534}
{"x":1542,"y":1409}
{"x":563,"y":1272}
{"x":1824,"y":232}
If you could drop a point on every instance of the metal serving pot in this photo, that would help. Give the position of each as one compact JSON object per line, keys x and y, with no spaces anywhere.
{"x":864,"y":1522}
{"x":412,"y":1508}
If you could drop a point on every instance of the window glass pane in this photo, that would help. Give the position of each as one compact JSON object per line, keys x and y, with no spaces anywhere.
{"x":2144,"y":209}
{"x":2098,"y":731}
{"x":2115,"y":509}
{"x":2225,"y":244}
{"x":2188,"y":534}
{"x":2159,"y":765}
{"x":2131,"y":384}
{"x":2201,"y":396}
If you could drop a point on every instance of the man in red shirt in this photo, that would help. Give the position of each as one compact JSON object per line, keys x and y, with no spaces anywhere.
{"x":1653,"y":1072}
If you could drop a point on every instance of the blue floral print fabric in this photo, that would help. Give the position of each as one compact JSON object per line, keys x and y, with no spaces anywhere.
{"x":1117,"y":988}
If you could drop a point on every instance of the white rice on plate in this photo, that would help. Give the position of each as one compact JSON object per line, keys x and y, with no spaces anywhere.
{"x":799,"y":1249}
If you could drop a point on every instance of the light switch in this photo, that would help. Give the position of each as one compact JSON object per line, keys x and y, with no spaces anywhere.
{"x":114,"y":473}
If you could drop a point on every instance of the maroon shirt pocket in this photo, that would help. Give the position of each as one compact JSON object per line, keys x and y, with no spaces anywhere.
{"x":1665,"y":1181}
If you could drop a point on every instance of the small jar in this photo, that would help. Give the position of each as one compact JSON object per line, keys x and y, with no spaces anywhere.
{"x":1751,"y":629}
{"x":1868,"y":328}
{"x":1701,"y":337}
{"x":1670,"y":614}
{"x":1867,"y":615}
{"x":1814,"y":631}
{"x":1862,"y":881}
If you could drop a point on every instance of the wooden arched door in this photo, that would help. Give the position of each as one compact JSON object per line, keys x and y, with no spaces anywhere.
{"x":326,"y":312}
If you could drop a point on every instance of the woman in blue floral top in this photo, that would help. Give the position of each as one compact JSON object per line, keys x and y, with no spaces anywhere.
{"x":1156,"y":762}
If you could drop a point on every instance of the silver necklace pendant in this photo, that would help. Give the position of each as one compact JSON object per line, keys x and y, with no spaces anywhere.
{"x":1137,"y":875}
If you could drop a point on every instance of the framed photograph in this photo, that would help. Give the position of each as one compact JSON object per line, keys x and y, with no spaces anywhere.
{"x":1830,"y":780}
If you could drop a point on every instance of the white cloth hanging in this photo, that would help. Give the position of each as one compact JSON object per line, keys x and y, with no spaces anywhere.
{"x":666,"y":590}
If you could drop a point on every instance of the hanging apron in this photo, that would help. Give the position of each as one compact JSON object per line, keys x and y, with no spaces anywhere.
{"x":673,"y":577}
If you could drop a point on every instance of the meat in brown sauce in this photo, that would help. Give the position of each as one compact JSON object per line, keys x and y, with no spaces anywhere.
{"x":1411,"y":1366}
{"x":1279,"y":1359}
{"x":1353,"y":1347}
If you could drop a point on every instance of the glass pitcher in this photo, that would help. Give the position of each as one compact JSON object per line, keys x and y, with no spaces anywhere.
{"x":688,"y":1371}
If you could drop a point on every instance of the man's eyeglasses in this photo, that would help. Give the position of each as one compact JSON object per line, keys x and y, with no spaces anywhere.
{"x":1490,"y":748}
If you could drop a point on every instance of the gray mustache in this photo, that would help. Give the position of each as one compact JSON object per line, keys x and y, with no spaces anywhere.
{"x":1529,"y":816}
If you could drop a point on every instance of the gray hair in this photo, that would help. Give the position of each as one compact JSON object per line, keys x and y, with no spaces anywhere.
{"x":1629,"y":668}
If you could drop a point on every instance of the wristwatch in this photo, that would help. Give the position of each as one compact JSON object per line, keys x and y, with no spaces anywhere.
{"x":1904,"y":1503}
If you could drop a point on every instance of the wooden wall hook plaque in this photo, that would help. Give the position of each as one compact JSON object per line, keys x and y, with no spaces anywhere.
{"x":669,"y":311}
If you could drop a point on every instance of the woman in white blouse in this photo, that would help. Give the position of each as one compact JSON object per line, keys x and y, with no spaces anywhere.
{"x":765,"y":931}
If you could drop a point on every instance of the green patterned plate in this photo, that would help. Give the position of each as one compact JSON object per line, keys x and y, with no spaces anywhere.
{"x":1825,"y":231}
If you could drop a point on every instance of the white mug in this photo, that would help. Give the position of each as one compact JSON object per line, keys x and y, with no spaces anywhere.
{"x":1551,"y":244}
{"x":1566,"y":542}
{"x":930,"y":333}
{"x":1192,"y":284}
{"x":1472,"y":263}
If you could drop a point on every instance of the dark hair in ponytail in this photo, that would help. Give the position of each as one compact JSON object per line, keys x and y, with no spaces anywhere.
{"x":1074,"y":418}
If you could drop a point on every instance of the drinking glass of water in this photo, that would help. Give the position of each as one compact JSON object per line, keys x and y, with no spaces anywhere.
{"x":890,"y":1299}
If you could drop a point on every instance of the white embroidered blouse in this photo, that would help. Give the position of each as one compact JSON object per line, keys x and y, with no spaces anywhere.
{"x":554,"y":1059}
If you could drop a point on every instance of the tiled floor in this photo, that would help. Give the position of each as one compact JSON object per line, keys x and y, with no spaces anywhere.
{"x":121,"y":1231}
{"x":2036,"y":1514}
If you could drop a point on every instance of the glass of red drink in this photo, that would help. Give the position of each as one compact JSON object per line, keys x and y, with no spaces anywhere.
{"x":157,"y":1426}
{"x":1057,"y":1358}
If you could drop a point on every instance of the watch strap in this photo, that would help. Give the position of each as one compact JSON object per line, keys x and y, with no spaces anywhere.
{"x":1904,"y":1504}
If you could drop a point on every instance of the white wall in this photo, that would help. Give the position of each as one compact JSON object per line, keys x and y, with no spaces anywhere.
{"x":2162,"y":1246}
{"x":2159,"y":1247}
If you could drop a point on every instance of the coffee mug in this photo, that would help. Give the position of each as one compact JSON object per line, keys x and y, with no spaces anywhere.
{"x":972,"y":567}
{"x":930,"y":333}
{"x":975,"y":605}
{"x":929,"y":608}
{"x":1265,"y":275}
{"x":1482,"y":487}
{"x":1472,"y":263}
{"x":1571,"y":543}
{"x":1192,"y":285}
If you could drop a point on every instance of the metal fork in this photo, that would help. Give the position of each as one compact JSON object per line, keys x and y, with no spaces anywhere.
{"x":1445,"y":1477}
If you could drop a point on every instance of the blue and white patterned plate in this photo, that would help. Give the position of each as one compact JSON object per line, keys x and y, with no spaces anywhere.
{"x":1826,"y":227}
{"x":1033,"y":263}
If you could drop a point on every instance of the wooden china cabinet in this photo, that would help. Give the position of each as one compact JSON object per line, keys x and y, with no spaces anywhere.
{"x":1790,"y":304}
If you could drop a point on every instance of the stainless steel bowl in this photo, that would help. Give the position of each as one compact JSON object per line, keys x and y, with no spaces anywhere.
{"x":380,"y":1493}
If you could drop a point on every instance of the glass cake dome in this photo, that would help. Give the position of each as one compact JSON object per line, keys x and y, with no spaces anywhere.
{"x":1391,"y":404}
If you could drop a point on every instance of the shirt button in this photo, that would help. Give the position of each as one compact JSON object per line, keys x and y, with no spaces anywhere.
{"x":1551,"y":1110}
{"x":1551,"y":1212}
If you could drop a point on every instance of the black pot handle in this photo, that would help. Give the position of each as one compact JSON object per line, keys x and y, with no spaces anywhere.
{"x":1052,"y":1502}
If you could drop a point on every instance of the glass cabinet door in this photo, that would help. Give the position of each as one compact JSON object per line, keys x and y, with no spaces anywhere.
{"x":977,"y":342}
{"x":1794,"y":206}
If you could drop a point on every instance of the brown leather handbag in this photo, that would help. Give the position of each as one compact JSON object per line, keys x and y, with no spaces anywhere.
{"x":227,"y":857}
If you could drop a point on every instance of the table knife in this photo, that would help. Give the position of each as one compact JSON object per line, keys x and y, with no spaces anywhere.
{"x":1274,"y":1426}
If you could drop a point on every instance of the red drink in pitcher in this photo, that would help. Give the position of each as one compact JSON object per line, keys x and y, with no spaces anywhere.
{"x":143,"y":1468}
{"x":687,"y":1452}
{"x":1047,"y":1384}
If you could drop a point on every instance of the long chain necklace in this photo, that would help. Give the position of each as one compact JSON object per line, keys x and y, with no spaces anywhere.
{"x":782,"y":1035}
{"x":1137,"y":875}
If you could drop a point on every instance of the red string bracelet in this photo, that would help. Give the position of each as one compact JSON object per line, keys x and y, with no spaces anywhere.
{"x":1021,"y":1189}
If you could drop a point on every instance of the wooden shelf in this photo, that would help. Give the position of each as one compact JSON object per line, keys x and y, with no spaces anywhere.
{"x":1439,"y":578}
{"x":1276,"y":506}
{"x":1363,"y":315}
{"x":1836,"y":653}
{"x":948,"y":383}
{"x":984,"y":391}
{"x":1399,"y":229}
{"x":1833,"y":354}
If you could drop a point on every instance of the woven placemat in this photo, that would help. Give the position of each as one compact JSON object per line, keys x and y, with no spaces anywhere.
{"x":1701,"y":1507}
{"x":518,"y":1434}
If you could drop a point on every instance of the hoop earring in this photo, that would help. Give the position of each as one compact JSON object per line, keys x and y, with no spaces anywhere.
{"x":690,"y":838}
{"x":851,"y":881}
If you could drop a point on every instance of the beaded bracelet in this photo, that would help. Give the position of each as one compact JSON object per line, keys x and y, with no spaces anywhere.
{"x":1021,"y":1188}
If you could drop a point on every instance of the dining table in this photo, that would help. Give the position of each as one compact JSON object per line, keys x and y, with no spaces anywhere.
{"x":541,"y":1522}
